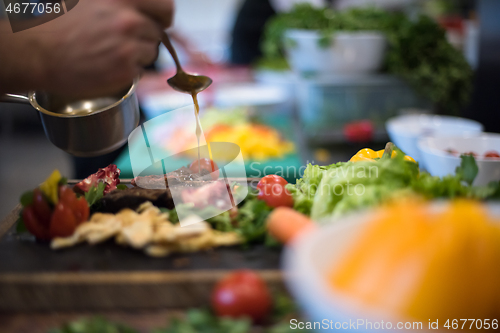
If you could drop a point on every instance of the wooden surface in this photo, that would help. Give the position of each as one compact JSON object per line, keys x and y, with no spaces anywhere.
{"x":43,"y":322}
{"x":108,"y":277}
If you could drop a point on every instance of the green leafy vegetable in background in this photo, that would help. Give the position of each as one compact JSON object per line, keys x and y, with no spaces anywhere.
{"x":202,"y":321}
{"x":197,"y":321}
{"x":93,"y":325}
{"x":344,"y":187}
{"x":418,"y":49}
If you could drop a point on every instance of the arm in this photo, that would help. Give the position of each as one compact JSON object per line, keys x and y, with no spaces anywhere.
{"x":98,"y":47}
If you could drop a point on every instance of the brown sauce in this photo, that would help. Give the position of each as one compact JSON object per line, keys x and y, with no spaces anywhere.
{"x":198,"y":127}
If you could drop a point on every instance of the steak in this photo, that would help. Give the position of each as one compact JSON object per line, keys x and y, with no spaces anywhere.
{"x":180,"y":176}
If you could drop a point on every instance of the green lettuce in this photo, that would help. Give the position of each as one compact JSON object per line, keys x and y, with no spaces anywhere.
{"x":337,"y":189}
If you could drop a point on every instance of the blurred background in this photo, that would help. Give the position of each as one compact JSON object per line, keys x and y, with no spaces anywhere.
{"x":296,"y":85}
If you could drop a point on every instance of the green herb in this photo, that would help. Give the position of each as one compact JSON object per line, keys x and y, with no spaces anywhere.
{"x":202,"y":321}
{"x":418,"y":49}
{"x":121,"y":187}
{"x":63,"y":181}
{"x":250,"y":221}
{"x":95,"y":193}
{"x":277,"y":64}
{"x":93,"y":325}
{"x":20,"y":226}
{"x":26,"y":198}
{"x":468,"y":168}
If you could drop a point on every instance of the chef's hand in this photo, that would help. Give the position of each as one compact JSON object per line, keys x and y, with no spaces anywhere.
{"x":96,"y":48}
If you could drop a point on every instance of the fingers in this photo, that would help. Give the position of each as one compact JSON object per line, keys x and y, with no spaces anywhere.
{"x":139,"y":26}
{"x":160,"y":10}
{"x":146,"y":53}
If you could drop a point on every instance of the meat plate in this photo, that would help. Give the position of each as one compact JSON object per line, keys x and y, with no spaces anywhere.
{"x":105,"y":276}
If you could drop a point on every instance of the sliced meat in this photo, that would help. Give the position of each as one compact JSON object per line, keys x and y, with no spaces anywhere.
{"x":177,"y":177}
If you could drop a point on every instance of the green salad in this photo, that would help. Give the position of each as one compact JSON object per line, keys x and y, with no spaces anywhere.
{"x":343,"y":187}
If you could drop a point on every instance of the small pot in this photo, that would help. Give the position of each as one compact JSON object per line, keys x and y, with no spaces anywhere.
{"x":85,"y":128}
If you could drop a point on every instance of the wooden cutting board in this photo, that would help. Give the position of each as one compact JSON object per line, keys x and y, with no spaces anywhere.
{"x":111,"y":277}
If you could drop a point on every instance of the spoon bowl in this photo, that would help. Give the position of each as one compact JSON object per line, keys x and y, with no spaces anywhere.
{"x":189,"y":83}
{"x":182,"y":81}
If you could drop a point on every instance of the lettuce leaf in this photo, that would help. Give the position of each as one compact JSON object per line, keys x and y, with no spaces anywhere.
{"x":343,"y":187}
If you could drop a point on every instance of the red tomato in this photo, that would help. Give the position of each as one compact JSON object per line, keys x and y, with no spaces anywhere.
{"x":78,"y":206}
{"x":81,"y":210}
{"x":471,"y":153}
{"x":63,"y":222}
{"x":359,"y":131}
{"x":272,"y":191}
{"x":492,"y":154}
{"x":33,"y":224}
{"x":41,"y":208}
{"x":67,"y":196}
{"x":242,"y":293}
{"x":207,"y":164}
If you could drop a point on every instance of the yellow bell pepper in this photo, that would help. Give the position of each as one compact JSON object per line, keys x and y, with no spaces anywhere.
{"x":367,"y":154}
{"x":50,"y":186}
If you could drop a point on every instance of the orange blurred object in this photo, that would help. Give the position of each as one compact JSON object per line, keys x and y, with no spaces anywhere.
{"x":285,"y":224}
{"x":419,"y":261}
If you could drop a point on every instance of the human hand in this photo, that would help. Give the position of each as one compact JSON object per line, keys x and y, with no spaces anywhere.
{"x":97,"y":48}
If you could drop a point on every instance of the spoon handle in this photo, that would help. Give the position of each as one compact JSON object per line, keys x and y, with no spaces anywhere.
{"x":166,"y":41}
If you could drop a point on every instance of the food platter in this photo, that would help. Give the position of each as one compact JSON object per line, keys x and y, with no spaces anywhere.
{"x":106,"y":276}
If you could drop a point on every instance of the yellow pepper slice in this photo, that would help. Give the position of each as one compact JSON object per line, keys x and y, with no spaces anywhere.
{"x":367,"y":154}
{"x":50,"y":186}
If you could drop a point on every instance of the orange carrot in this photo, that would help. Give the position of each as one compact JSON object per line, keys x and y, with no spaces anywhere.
{"x":284,"y":224}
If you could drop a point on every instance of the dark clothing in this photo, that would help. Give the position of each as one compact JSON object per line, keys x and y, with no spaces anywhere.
{"x":248,"y":29}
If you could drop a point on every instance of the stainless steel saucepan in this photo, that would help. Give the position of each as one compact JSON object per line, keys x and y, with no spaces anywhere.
{"x":85,"y":128}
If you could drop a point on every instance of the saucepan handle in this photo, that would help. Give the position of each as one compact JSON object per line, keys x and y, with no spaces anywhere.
{"x":15,"y":98}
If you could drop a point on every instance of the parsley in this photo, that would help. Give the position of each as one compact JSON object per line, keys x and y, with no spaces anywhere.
{"x":95,"y":193}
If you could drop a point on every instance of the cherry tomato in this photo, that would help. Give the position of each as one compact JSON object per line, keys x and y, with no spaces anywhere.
{"x":242,"y":293}
{"x":41,"y":208}
{"x":471,"y":153}
{"x":207,"y":164}
{"x":81,"y":210}
{"x":33,"y":224}
{"x":67,"y":196}
{"x":492,"y":154}
{"x":78,"y":206}
{"x":63,"y":222}
{"x":272,"y":191}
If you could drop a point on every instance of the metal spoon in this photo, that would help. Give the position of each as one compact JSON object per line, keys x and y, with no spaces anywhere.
{"x":182,"y":81}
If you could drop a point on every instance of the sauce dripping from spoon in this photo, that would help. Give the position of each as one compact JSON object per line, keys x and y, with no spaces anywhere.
{"x":191,"y":84}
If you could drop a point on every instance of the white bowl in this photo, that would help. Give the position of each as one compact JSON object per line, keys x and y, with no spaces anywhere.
{"x":405,"y":131}
{"x":441,"y":163}
{"x":308,"y":261}
{"x":358,"y":52}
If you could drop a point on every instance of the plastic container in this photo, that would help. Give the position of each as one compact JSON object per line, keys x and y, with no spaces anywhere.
{"x":326,"y":103}
{"x":405,"y":131}
{"x":441,"y":163}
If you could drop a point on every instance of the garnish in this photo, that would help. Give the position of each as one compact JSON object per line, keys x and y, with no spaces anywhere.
{"x":108,"y":175}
